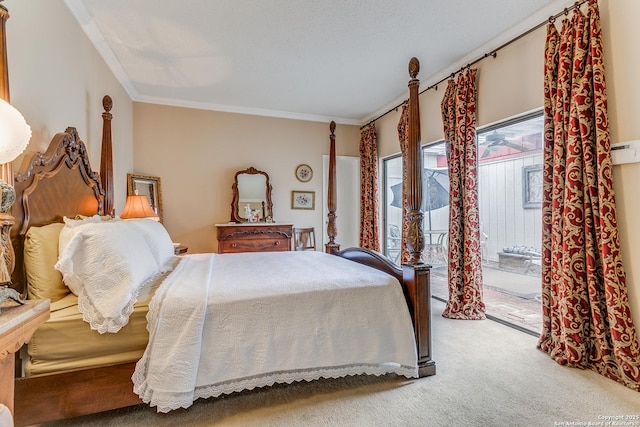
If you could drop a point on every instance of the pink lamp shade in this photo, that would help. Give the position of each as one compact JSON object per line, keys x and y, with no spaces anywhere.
{"x":138,"y":206}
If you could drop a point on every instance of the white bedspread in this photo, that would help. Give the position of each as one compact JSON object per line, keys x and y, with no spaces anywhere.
{"x":225,"y":323}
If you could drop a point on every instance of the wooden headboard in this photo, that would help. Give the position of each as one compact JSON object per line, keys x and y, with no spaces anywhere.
{"x":57,"y":183}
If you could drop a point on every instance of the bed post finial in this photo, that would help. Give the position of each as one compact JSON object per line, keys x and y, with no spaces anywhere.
{"x":415,"y":236}
{"x":414,"y":67}
{"x":332,"y":246}
{"x":106,"y":157}
{"x":107,"y":103}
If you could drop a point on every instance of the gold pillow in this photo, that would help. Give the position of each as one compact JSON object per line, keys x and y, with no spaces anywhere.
{"x":102,"y":217}
{"x":40,"y":257}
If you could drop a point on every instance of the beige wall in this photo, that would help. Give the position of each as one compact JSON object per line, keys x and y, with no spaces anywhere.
{"x":620,"y":33}
{"x":57,"y":79}
{"x":511,"y":84}
{"x":196,"y":154}
{"x":508,"y":85}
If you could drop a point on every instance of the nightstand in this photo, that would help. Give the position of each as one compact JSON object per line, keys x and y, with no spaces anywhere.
{"x":181,"y":250}
{"x":17,"y":324}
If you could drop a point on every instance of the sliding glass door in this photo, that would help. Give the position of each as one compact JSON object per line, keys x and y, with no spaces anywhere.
{"x":435,"y":204}
{"x":510,"y":196}
{"x":510,"y":199}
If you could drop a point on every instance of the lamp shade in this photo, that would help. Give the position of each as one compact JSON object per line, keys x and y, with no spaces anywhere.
{"x":138,"y":206}
{"x":15,"y":133}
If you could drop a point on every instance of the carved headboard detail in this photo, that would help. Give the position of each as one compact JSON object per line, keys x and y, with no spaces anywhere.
{"x":53,"y":184}
{"x":59,"y":182}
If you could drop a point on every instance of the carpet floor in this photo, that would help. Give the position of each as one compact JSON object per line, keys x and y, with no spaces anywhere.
{"x":487,"y":375}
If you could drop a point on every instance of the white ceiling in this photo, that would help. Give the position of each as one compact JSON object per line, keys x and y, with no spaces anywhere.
{"x":321,"y":60}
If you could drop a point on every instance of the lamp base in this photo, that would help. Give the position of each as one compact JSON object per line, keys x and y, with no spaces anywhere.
{"x":7,"y":256}
{"x":8,"y":196}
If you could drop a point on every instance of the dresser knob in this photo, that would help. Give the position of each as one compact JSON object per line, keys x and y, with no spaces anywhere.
{"x":277,"y":242}
{"x":233,"y":245}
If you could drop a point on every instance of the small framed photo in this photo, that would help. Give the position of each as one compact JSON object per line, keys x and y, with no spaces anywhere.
{"x":303,"y":199}
{"x":532,"y":187}
{"x":304,"y":173}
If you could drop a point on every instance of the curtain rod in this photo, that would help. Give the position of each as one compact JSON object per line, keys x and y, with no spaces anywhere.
{"x":493,"y":54}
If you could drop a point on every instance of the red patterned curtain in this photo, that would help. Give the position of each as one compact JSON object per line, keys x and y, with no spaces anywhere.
{"x":586,"y":316}
{"x":403,"y":137}
{"x":465,"y":266}
{"x":369,"y":230}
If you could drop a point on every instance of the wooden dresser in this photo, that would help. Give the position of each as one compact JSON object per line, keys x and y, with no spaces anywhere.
{"x":254,"y":237}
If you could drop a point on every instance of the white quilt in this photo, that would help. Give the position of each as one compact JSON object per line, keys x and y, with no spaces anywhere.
{"x":225,"y":323}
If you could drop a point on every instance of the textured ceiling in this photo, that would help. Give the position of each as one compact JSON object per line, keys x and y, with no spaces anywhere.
{"x":343,"y":60}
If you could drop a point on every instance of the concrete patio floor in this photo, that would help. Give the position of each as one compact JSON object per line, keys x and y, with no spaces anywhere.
{"x":509,"y":297}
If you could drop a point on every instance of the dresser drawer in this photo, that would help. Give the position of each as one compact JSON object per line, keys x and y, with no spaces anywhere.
{"x":254,"y":238}
{"x":253,"y":245}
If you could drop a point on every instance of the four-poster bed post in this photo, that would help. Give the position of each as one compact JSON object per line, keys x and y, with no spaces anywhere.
{"x":415,"y":236}
{"x":332,"y":246}
{"x":414,"y":275}
{"x":6,"y":169}
{"x":106,"y":158}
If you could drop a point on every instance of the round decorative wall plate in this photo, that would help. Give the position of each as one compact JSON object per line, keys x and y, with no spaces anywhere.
{"x":304,"y":173}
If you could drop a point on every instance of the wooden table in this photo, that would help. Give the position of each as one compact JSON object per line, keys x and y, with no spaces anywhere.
{"x":17,"y":324}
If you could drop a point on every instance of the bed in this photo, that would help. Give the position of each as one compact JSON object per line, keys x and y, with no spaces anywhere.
{"x":95,"y":374}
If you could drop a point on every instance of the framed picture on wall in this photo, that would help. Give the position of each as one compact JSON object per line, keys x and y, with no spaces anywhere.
{"x":304,"y":173}
{"x":303,"y":199}
{"x":532,"y":187}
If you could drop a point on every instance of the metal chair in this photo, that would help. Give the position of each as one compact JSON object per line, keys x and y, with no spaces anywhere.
{"x":304,"y":239}
{"x":435,"y":247}
{"x":483,"y":246}
{"x":394,"y":243}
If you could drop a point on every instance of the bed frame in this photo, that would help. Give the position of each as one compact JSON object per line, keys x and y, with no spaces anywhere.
{"x":60,"y":182}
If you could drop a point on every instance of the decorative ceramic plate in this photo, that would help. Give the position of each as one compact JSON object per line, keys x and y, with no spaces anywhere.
{"x":304,"y":173}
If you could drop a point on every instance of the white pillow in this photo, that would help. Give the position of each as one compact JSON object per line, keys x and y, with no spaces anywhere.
{"x":157,"y":237}
{"x":105,"y":264}
{"x":71,"y":227}
{"x":6,"y":419}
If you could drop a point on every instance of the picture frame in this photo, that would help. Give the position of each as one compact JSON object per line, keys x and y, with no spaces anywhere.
{"x":150,"y":187}
{"x":304,"y":173}
{"x":532,"y":187}
{"x":303,"y":199}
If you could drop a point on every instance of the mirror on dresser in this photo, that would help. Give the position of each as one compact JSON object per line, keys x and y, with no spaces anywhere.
{"x":251,"y":196}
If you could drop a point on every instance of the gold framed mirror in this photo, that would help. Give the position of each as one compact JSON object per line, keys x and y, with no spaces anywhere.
{"x":251,"y":196}
{"x":148,"y":186}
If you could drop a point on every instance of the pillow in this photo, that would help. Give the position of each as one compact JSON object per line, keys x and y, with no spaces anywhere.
{"x":157,"y":237}
{"x":102,"y":217}
{"x":104,"y":264}
{"x":5,"y":416}
{"x":71,"y":227}
{"x":40,"y":257}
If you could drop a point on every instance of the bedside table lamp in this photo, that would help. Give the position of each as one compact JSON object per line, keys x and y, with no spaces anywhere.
{"x":14,"y":137}
{"x":15,"y":134}
{"x":137,"y":206}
